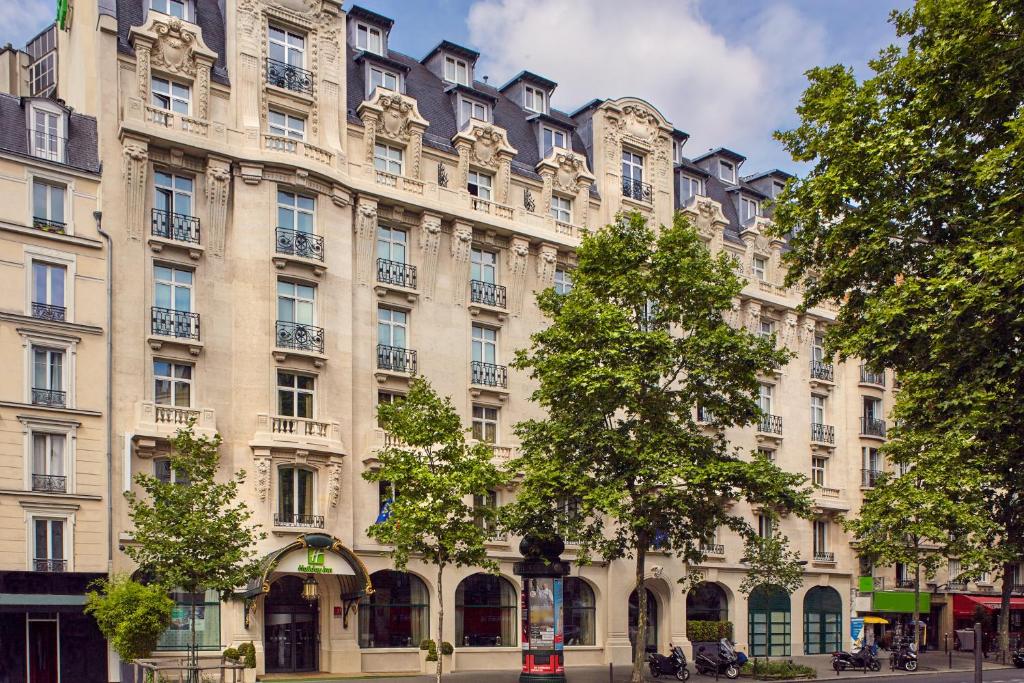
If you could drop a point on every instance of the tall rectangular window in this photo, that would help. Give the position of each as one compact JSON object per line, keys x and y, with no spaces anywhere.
{"x":767,"y":453}
{"x":471,"y":109}
{"x":533,"y":99}
{"x":819,"y":468}
{"x":485,"y":423}
{"x":295,"y":212}
{"x":166,"y":473}
{"x":456,"y":71}
{"x":817,"y":409}
{"x":392,"y":244}
{"x":48,"y":283}
{"x":748,"y":209}
{"x":820,"y":537}
{"x":46,"y":138}
{"x":173,"y":288}
{"x":764,"y":398}
{"x":765,"y":526}
{"x":48,"y":369}
{"x":295,"y":494}
{"x":172,"y":193}
{"x":286,"y":125}
{"x":48,"y":202}
{"x":48,"y":546}
{"x":485,"y":344}
{"x":483,"y":266}
{"x":392,"y":327}
{"x":691,"y":187}
{"x":726,"y":171}
{"x":287,"y":47}
{"x":561,"y":209}
{"x":766,"y":328}
{"x":632,"y":167}
{"x":296,"y":303}
{"x":479,"y":185}
{"x":48,"y":471}
{"x":760,"y":267}
{"x":171,"y":95}
{"x":172,"y":383}
{"x":818,"y":348}
{"x":955,"y":570}
{"x":369,"y":38}
{"x":294,"y":395}
{"x":388,"y":159}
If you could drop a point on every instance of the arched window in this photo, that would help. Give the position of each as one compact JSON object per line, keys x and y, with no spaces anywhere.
{"x":823,"y":618}
{"x":769,"y":622}
{"x":486,"y":612}
{"x":397,"y":613}
{"x":707,"y":602}
{"x":579,"y":611}
{"x":295,"y":497}
{"x":652,"y":620}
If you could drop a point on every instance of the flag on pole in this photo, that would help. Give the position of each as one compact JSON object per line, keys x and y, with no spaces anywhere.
{"x":62,"y":14}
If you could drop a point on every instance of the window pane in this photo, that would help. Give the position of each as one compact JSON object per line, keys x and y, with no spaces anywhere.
{"x":304,"y":405}
{"x":287,"y":497}
{"x":285,"y":403}
{"x":56,"y":539}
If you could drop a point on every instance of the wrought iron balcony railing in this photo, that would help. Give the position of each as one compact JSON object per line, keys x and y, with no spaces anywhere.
{"x":869,"y":426}
{"x":49,"y":397}
{"x":870,"y":377}
{"x":487,"y":293}
{"x":47,"y":225}
{"x":41,"y":564}
{"x":712,"y":548}
{"x":48,"y":146}
{"x":905,"y":583}
{"x":635,"y":189}
{"x":396,"y":359}
{"x":823,"y":433}
{"x":167,"y":322}
{"x":770,"y":424}
{"x":48,"y":311}
{"x":396,"y":273}
{"x":822,"y":371}
{"x":869,"y":478}
{"x":489,"y":374}
{"x":289,"y":77}
{"x":296,"y":519}
{"x":298,"y":336}
{"x":824,"y":556}
{"x":49,"y":483}
{"x":175,"y":226}
{"x":298,"y":243}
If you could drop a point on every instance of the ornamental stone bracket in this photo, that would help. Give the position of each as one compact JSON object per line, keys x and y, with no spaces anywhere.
{"x":430,"y":246}
{"x":547,"y":263}
{"x":566,"y":172}
{"x":170,"y":46}
{"x":134,"y":172}
{"x":394,"y":118}
{"x":262,"y":480}
{"x":366,"y":235}
{"x":218,"y":192}
{"x":462,"y":247}
{"x":632,"y":123}
{"x":519,"y":258}
{"x":485,"y":146}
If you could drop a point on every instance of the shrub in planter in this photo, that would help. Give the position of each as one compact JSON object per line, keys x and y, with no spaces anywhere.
{"x":447,"y":648}
{"x":131,"y":616}
{"x":708,"y":631}
{"x":777,"y":671}
{"x":231,"y":654}
{"x":426,"y":644}
{"x":432,"y":652}
{"x":247,"y":653}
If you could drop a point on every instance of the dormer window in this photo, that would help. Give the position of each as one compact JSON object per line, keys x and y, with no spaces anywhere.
{"x":533,"y":99}
{"x":748,"y":209}
{"x":554,"y":138}
{"x":471,"y":109}
{"x":370,"y":38}
{"x":677,"y":152}
{"x":174,"y":8}
{"x":727,"y":171}
{"x":456,"y":71}
{"x":171,"y":96}
{"x":47,"y":132}
{"x":690,"y":187}
{"x":382,"y":78}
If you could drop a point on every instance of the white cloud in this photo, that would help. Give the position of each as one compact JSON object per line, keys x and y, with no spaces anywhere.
{"x":724,"y":93}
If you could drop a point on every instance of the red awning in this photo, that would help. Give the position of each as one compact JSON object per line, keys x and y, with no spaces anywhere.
{"x":963,"y":605}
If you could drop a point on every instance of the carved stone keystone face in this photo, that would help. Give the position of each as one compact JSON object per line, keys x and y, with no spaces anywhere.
{"x":174,"y":48}
{"x":567,"y":175}
{"x":486,"y":145}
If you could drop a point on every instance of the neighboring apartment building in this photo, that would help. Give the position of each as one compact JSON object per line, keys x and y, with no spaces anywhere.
{"x":302,"y":223}
{"x":53,"y":398}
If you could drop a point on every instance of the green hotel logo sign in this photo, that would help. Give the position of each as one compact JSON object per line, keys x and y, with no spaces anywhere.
{"x":315,"y":562}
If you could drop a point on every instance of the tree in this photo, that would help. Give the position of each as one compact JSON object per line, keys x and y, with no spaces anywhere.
{"x":434,"y":473}
{"x":131,"y":616}
{"x":192,"y":533}
{"x":620,"y":463}
{"x":911,"y":216}
{"x":772,"y":562}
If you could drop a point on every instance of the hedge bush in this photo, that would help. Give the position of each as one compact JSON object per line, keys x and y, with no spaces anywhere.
{"x":708,"y":631}
{"x":447,"y":648}
{"x":776,"y":671}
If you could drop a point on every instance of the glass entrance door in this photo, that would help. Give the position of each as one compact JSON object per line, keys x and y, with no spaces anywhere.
{"x":291,"y":631}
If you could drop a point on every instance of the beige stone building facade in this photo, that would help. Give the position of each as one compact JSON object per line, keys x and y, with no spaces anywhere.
{"x":302,"y":217}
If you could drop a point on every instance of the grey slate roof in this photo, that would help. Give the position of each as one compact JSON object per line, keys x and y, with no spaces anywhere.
{"x":82,"y":148}
{"x":208,"y":19}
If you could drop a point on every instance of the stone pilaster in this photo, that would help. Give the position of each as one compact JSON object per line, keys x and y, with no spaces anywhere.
{"x":462,"y":247}
{"x":366,"y":231}
{"x":135,"y":172}
{"x":430,"y":246}
{"x":519,"y":258}
{"x":218,"y":191}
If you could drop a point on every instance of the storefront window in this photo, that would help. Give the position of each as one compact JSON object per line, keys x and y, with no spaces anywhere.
{"x":579,"y":609}
{"x":179,"y":635}
{"x":486,"y":612}
{"x":397,"y":613}
{"x":706,"y":602}
{"x":823,"y":615}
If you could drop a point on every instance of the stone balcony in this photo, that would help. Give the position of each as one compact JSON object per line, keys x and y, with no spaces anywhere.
{"x":829,"y":499}
{"x":156,"y":425}
{"x":296,"y":435}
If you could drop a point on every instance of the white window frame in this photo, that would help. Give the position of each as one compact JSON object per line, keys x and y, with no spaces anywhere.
{"x":371,"y":69}
{"x":484,"y":344}
{"x":483,"y":190}
{"x":483,"y":265}
{"x":174,"y":380}
{"x":817,"y":409}
{"x":485,"y":420}
{"x":289,"y":49}
{"x":478,"y":111}
{"x":768,"y":453}
{"x":388,"y":243}
{"x":364,"y":38}
{"x":43,"y":51}
{"x":59,"y":131}
{"x":818,"y":348}
{"x":186,"y":9}
{"x":730,"y":175}
{"x":293,"y":127}
{"x":819,"y":470}
{"x":766,"y":397}
{"x":759,"y":267}
{"x":295,"y":391}
{"x":295,"y":210}
{"x":549,"y":139}
{"x":314,"y":502}
{"x":765,"y":327}
{"x":458,"y":72}
{"x":50,"y":188}
{"x":31,"y":426}
{"x":563,"y":280}
{"x":388,"y":159}
{"x":749,"y":209}
{"x":170,"y":95}
{"x":49,"y":257}
{"x":765,"y":526}
{"x":174,"y":286}
{"x":692,"y":187}
{"x":395,"y":320}
{"x":32,"y":513}
{"x":298,"y":301}
{"x":531,"y":96}
{"x":68,"y":345}
{"x":561,"y":209}
{"x":634,"y":162}
{"x":67,"y":183}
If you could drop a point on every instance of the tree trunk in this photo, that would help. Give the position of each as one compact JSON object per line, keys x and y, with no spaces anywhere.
{"x":917,"y":603}
{"x":1004,"y":610}
{"x":640,"y":644}
{"x":193,"y":654}
{"x":440,"y":620}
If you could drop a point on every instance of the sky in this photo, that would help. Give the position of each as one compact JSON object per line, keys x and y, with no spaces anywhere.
{"x":728,"y":72}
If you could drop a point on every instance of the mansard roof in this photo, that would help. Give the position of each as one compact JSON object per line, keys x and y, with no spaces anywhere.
{"x":370,"y":17}
{"x":529,"y":77}
{"x":81,"y":145}
{"x":720,"y":152}
{"x":453,"y":48}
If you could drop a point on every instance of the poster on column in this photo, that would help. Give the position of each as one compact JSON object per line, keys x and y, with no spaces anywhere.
{"x":542,"y":613}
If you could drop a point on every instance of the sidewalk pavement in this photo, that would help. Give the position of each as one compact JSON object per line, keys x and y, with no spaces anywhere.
{"x":930,"y":663}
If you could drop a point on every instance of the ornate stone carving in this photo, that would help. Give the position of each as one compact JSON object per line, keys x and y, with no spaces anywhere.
{"x":462,"y":246}
{"x":366,"y":231}
{"x":262,"y":480}
{"x":395,"y":117}
{"x":430,"y":246}
{"x":142,"y":70}
{"x":171,"y":46}
{"x":519,"y":256}
{"x":790,"y":332}
{"x":546,"y":264}
{"x":174,"y":49}
{"x":753,"y":321}
{"x":487,"y":142}
{"x":134,"y":171}
{"x":639,"y":123}
{"x":218,"y":191}
{"x":485,"y":146}
{"x":333,"y":484}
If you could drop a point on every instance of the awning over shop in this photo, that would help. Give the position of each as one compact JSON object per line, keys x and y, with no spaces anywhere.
{"x":901,"y":602}
{"x":964,"y":605}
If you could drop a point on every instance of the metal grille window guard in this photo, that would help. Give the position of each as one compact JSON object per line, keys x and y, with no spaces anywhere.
{"x":301,"y":244}
{"x":48,"y":311}
{"x":872,"y":427}
{"x":49,"y":483}
{"x":167,"y":322}
{"x":46,"y":565}
{"x":292,"y":519}
{"x":871,"y":377}
{"x":489,"y":374}
{"x":824,"y":556}
{"x":175,"y":226}
{"x":869,"y":478}
{"x":823,"y":433}
{"x":48,"y":146}
{"x":396,"y":273}
{"x":635,"y":189}
{"x":289,"y":77}
{"x":487,"y":293}
{"x":46,"y":225}
{"x":298,"y":336}
{"x":396,"y":359}
{"x":770,"y":424}
{"x":712,"y":548}
{"x":49,"y":397}
{"x":821,"y":370}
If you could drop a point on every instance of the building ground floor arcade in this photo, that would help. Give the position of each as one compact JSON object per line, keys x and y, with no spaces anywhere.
{"x":308,"y":612}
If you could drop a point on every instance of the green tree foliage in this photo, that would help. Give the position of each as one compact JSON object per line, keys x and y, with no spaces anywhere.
{"x":913,"y":218}
{"x":619,"y":463}
{"x":195,"y":535}
{"x":771,"y":561}
{"x":436,"y":474}
{"x":131,"y":616}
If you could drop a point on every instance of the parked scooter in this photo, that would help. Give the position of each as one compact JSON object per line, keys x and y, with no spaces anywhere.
{"x":863,"y":658}
{"x":1018,"y":659}
{"x":904,"y":655}
{"x":673,"y":665}
{"x":725,"y":662}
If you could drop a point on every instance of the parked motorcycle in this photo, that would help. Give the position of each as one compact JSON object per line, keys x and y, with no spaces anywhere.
{"x":858,"y":659}
{"x":673,"y":665}
{"x":1018,"y":659}
{"x":725,"y":662}
{"x":904,"y":656}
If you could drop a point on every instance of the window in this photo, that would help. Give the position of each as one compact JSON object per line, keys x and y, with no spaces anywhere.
{"x":485,"y":344}
{"x":295,"y":212}
{"x":818,"y":348}
{"x":171,"y":95}
{"x":48,"y":547}
{"x":748,"y":209}
{"x":173,"y":288}
{"x":817,"y":409}
{"x":485,"y":423}
{"x":486,"y":608}
{"x":48,"y":290}
{"x":677,"y":152}
{"x":486,"y":502}
{"x":818,"y":467}
{"x":471,"y":109}
{"x":296,"y":494}
{"x":178,"y":636}
{"x":42,"y":50}
{"x":164,"y":471}
{"x":48,"y":462}
{"x":456,"y":71}
{"x":561,"y":209}
{"x":480,"y":185}
{"x":707,"y":601}
{"x":766,"y":453}
{"x":382,"y":78}
{"x":553,"y":138}
{"x":48,"y":204}
{"x":172,"y":383}
{"x":385,"y":497}
{"x":954,"y":571}
{"x":872,"y":462}
{"x":632,"y":167}
{"x":483,"y":266}
{"x":726,"y":171}
{"x":872,"y":410}
{"x":652,"y":620}
{"x":369,"y":38}
{"x":294,"y":395}
{"x":397,"y":613}
{"x":579,"y":612}
{"x":766,"y":328}
{"x":765,"y":526}
{"x":392,"y":244}
{"x":172,"y":207}
{"x":563,"y":281}
{"x":47,"y":142}
{"x":691,"y":187}
{"x":760,"y":267}
{"x":387,"y":397}
{"x":387,"y":158}
{"x":175,"y":8}
{"x":533,"y":99}
{"x":287,"y":47}
{"x":392,"y":327}
{"x":764,"y":398}
{"x":296,"y":303}
{"x":48,"y":377}
{"x":286,"y":125}
{"x":820,"y":538}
